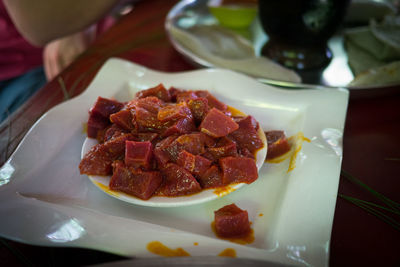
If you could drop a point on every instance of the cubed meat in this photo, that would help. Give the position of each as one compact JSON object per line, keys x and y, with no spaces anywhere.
{"x":195,"y":164}
{"x":238,"y":170}
{"x":244,"y":152}
{"x":247,"y":135}
{"x":173,"y":92}
{"x":199,"y":108}
{"x":105,"y":107}
{"x":150,"y":103}
{"x":158,"y":91}
{"x":231,"y":222}
{"x":212,"y":101}
{"x":185,"y":96}
{"x":95,"y":124}
{"x":141,"y":184}
{"x":99,"y":159}
{"x":225,"y":147}
{"x":182,"y":126}
{"x":217,"y":124}
{"x":147,"y":121}
{"x":189,"y":138}
{"x":141,"y":137}
{"x":277,"y":144}
{"x":192,"y":143}
{"x":178,"y":181}
{"x":160,"y":152}
{"x":124,"y":119}
{"x":211,"y":178}
{"x":113,"y":131}
{"x":174,"y":112}
{"x":138,"y":154}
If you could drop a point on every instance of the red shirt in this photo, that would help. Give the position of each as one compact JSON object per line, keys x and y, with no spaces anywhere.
{"x":17,"y":56}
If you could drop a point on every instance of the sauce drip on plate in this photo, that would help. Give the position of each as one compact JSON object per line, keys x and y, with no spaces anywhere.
{"x":243,"y":240}
{"x":229,"y":252}
{"x":160,"y":249}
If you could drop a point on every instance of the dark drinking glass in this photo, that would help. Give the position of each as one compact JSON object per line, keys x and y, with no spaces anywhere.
{"x":299,"y":30}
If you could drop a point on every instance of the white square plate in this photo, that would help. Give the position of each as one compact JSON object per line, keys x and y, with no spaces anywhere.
{"x":45,"y":201}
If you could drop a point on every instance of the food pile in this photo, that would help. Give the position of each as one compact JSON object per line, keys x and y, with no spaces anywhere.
{"x":170,"y":142}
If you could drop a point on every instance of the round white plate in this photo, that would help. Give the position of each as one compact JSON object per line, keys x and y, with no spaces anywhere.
{"x":205,"y":195}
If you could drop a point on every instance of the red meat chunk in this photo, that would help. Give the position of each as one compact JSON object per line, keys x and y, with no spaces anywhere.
{"x":231,"y":222}
{"x":174,"y":112}
{"x":150,"y":103}
{"x":208,"y":140}
{"x":182,"y":126}
{"x":192,"y":143}
{"x":224,"y":148}
{"x":124,"y":119}
{"x":105,"y":107}
{"x":217,"y":124}
{"x":160,"y":152}
{"x":99,"y":159}
{"x":247,"y":136}
{"x":141,"y":184}
{"x":178,"y":181}
{"x":141,"y":137}
{"x":95,"y":124}
{"x":147,"y":121}
{"x":196,"y":164}
{"x":185,"y":96}
{"x":212,"y":101}
{"x":211,"y":178}
{"x":244,"y":152}
{"x":138,"y":154}
{"x":173,"y":92}
{"x":199,"y":108}
{"x":238,"y":170}
{"x":277,"y":144}
{"x":158,"y":91}
{"x":113,"y":131}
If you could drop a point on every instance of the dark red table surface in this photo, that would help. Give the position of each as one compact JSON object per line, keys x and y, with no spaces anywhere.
{"x":371,"y":145}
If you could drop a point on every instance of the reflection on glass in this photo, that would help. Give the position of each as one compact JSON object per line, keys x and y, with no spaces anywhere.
{"x":69,"y":231}
{"x":294,"y":253}
{"x":334,"y":138}
{"x":5,"y":173}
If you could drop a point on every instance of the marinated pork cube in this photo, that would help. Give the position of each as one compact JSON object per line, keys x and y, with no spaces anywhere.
{"x":138,"y":154}
{"x":231,"y":222}
{"x":217,"y":124}
{"x":238,"y":170}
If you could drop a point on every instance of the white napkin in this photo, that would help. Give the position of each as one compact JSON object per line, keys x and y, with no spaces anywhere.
{"x":373,"y":51}
{"x":226,"y":49}
{"x":384,"y":75}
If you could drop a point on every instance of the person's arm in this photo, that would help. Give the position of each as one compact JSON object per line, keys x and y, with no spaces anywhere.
{"x":41,"y":21}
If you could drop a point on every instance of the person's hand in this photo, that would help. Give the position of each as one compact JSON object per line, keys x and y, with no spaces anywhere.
{"x":59,"y":54}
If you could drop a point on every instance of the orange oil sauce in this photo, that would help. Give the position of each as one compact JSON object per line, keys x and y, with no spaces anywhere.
{"x":247,"y":239}
{"x":223,"y":191}
{"x":235,"y":112}
{"x":106,"y":189}
{"x":296,"y":144}
{"x":228,"y":252}
{"x":84,"y":128}
{"x":160,"y":249}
